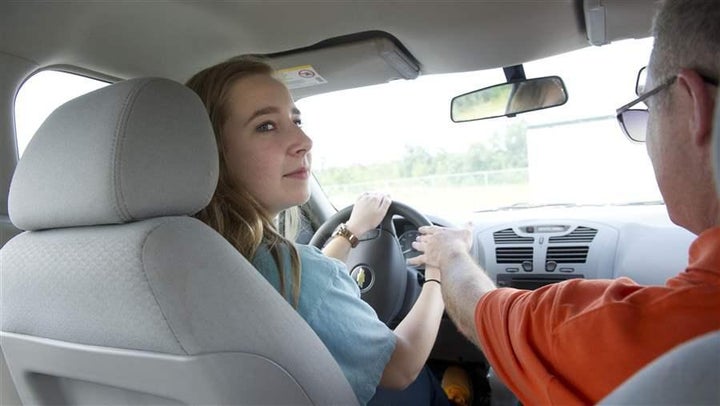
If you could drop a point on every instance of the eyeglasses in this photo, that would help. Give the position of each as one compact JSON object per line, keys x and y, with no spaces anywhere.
{"x":634,"y":121}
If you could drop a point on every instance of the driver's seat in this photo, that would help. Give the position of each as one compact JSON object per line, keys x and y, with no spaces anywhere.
{"x":115,"y":295}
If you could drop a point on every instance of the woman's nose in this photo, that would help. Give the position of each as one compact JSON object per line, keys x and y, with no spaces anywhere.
{"x":303,"y":144}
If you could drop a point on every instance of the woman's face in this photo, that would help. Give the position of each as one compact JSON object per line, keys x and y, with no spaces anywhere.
{"x":266,"y":151}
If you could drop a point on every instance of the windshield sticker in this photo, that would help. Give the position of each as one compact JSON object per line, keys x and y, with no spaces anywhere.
{"x":300,"y":76}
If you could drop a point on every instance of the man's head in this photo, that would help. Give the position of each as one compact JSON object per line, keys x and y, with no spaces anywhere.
{"x":687,"y":35}
{"x":687,"y":47}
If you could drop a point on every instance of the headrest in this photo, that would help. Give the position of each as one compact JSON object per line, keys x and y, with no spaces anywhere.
{"x":134,"y":150}
{"x":716,"y":144}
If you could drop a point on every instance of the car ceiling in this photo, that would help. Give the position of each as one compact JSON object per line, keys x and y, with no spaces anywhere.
{"x":175,"y":39}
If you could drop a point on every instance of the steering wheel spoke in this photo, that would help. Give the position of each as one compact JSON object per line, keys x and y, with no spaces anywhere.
{"x":377,"y":264}
{"x":388,"y":225}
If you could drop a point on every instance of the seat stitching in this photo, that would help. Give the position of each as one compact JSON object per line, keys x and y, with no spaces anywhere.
{"x":152,"y":290}
{"x":120,"y":205}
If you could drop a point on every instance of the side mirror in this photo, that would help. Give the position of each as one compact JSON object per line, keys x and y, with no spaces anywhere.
{"x":509,"y":99}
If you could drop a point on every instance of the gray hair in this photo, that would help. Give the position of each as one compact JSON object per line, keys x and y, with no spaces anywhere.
{"x":687,"y":35}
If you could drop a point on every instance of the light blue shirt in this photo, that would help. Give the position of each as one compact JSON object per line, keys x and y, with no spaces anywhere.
{"x":330,"y":303}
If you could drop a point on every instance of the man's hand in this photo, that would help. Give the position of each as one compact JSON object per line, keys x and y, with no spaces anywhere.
{"x":464,"y":283}
{"x":439,"y":245}
{"x":369,"y":210}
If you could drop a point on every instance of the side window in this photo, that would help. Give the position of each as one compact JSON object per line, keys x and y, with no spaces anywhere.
{"x":41,"y":94}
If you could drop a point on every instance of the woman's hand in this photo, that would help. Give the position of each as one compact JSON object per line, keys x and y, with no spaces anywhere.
{"x":369,"y":210}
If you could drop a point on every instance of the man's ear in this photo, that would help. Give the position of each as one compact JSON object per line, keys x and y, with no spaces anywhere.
{"x":702,"y":105}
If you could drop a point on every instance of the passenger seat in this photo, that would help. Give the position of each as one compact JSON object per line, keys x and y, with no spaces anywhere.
{"x":116,"y":294}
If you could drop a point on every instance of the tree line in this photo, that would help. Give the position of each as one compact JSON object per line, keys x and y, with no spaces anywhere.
{"x":505,"y":150}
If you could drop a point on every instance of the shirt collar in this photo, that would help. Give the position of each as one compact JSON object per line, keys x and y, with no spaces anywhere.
{"x":704,"y":252}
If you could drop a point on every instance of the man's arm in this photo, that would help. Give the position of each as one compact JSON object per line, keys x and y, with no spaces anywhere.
{"x":464,"y":282}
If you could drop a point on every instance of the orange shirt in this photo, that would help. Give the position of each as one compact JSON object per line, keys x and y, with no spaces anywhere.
{"x":574,"y":342}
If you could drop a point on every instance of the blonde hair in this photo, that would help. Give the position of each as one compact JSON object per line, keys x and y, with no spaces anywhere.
{"x":233,"y":211}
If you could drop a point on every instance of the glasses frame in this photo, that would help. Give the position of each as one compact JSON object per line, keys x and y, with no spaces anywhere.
{"x":622,"y":110}
{"x":641,"y":98}
{"x":638,"y":92}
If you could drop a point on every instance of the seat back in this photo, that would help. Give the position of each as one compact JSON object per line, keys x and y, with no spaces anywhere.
{"x":115,"y":295}
{"x":687,"y":375}
{"x":104,"y":376}
{"x":8,"y":393}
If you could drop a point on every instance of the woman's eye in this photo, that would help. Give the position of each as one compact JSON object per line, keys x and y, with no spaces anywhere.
{"x":265,"y":127}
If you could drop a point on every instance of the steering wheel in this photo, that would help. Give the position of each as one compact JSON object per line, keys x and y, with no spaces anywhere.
{"x":377,"y":263}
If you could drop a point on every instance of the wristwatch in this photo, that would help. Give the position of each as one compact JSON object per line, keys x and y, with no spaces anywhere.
{"x":342,"y":231}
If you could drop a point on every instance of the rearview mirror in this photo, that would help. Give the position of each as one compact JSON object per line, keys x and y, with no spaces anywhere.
{"x":509,"y":99}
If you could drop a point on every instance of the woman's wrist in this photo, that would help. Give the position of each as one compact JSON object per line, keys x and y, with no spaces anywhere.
{"x":354,"y":228}
{"x":433,"y":273}
{"x":432,"y":281}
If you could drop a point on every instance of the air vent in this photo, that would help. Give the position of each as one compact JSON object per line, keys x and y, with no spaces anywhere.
{"x":508,"y":236}
{"x":578,"y":235}
{"x":567,"y":255}
{"x":513,"y":255}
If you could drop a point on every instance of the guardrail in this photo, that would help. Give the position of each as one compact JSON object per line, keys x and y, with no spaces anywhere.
{"x":477,"y":178}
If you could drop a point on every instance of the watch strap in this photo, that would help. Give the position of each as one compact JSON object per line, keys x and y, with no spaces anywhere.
{"x":342,"y":231}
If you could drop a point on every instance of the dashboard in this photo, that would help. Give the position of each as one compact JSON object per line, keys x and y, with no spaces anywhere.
{"x":530,"y":248}
{"x":606,"y":242}
{"x":407,"y":234}
{"x":602,"y":242}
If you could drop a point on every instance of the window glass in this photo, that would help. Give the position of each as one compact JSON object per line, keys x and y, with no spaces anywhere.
{"x":41,"y":94}
{"x":398,"y":138}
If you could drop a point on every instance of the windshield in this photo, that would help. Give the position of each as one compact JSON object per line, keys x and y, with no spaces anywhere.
{"x":398,"y":138}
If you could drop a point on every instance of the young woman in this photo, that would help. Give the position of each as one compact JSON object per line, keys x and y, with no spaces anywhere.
{"x":265,"y":165}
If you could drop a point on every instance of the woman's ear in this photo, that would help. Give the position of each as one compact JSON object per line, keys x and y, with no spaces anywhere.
{"x":702,"y":105}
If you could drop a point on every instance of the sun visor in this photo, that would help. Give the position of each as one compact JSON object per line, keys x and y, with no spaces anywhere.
{"x":613,"y":20}
{"x":345,"y":62}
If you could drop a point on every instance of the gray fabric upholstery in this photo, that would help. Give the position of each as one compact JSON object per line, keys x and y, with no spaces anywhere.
{"x":115,"y":295}
{"x":134,"y":150}
{"x":170,"y":285}
{"x":85,"y":285}
{"x":687,"y":375}
{"x":8,"y":393}
{"x":207,"y":291}
{"x":176,"y":380}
